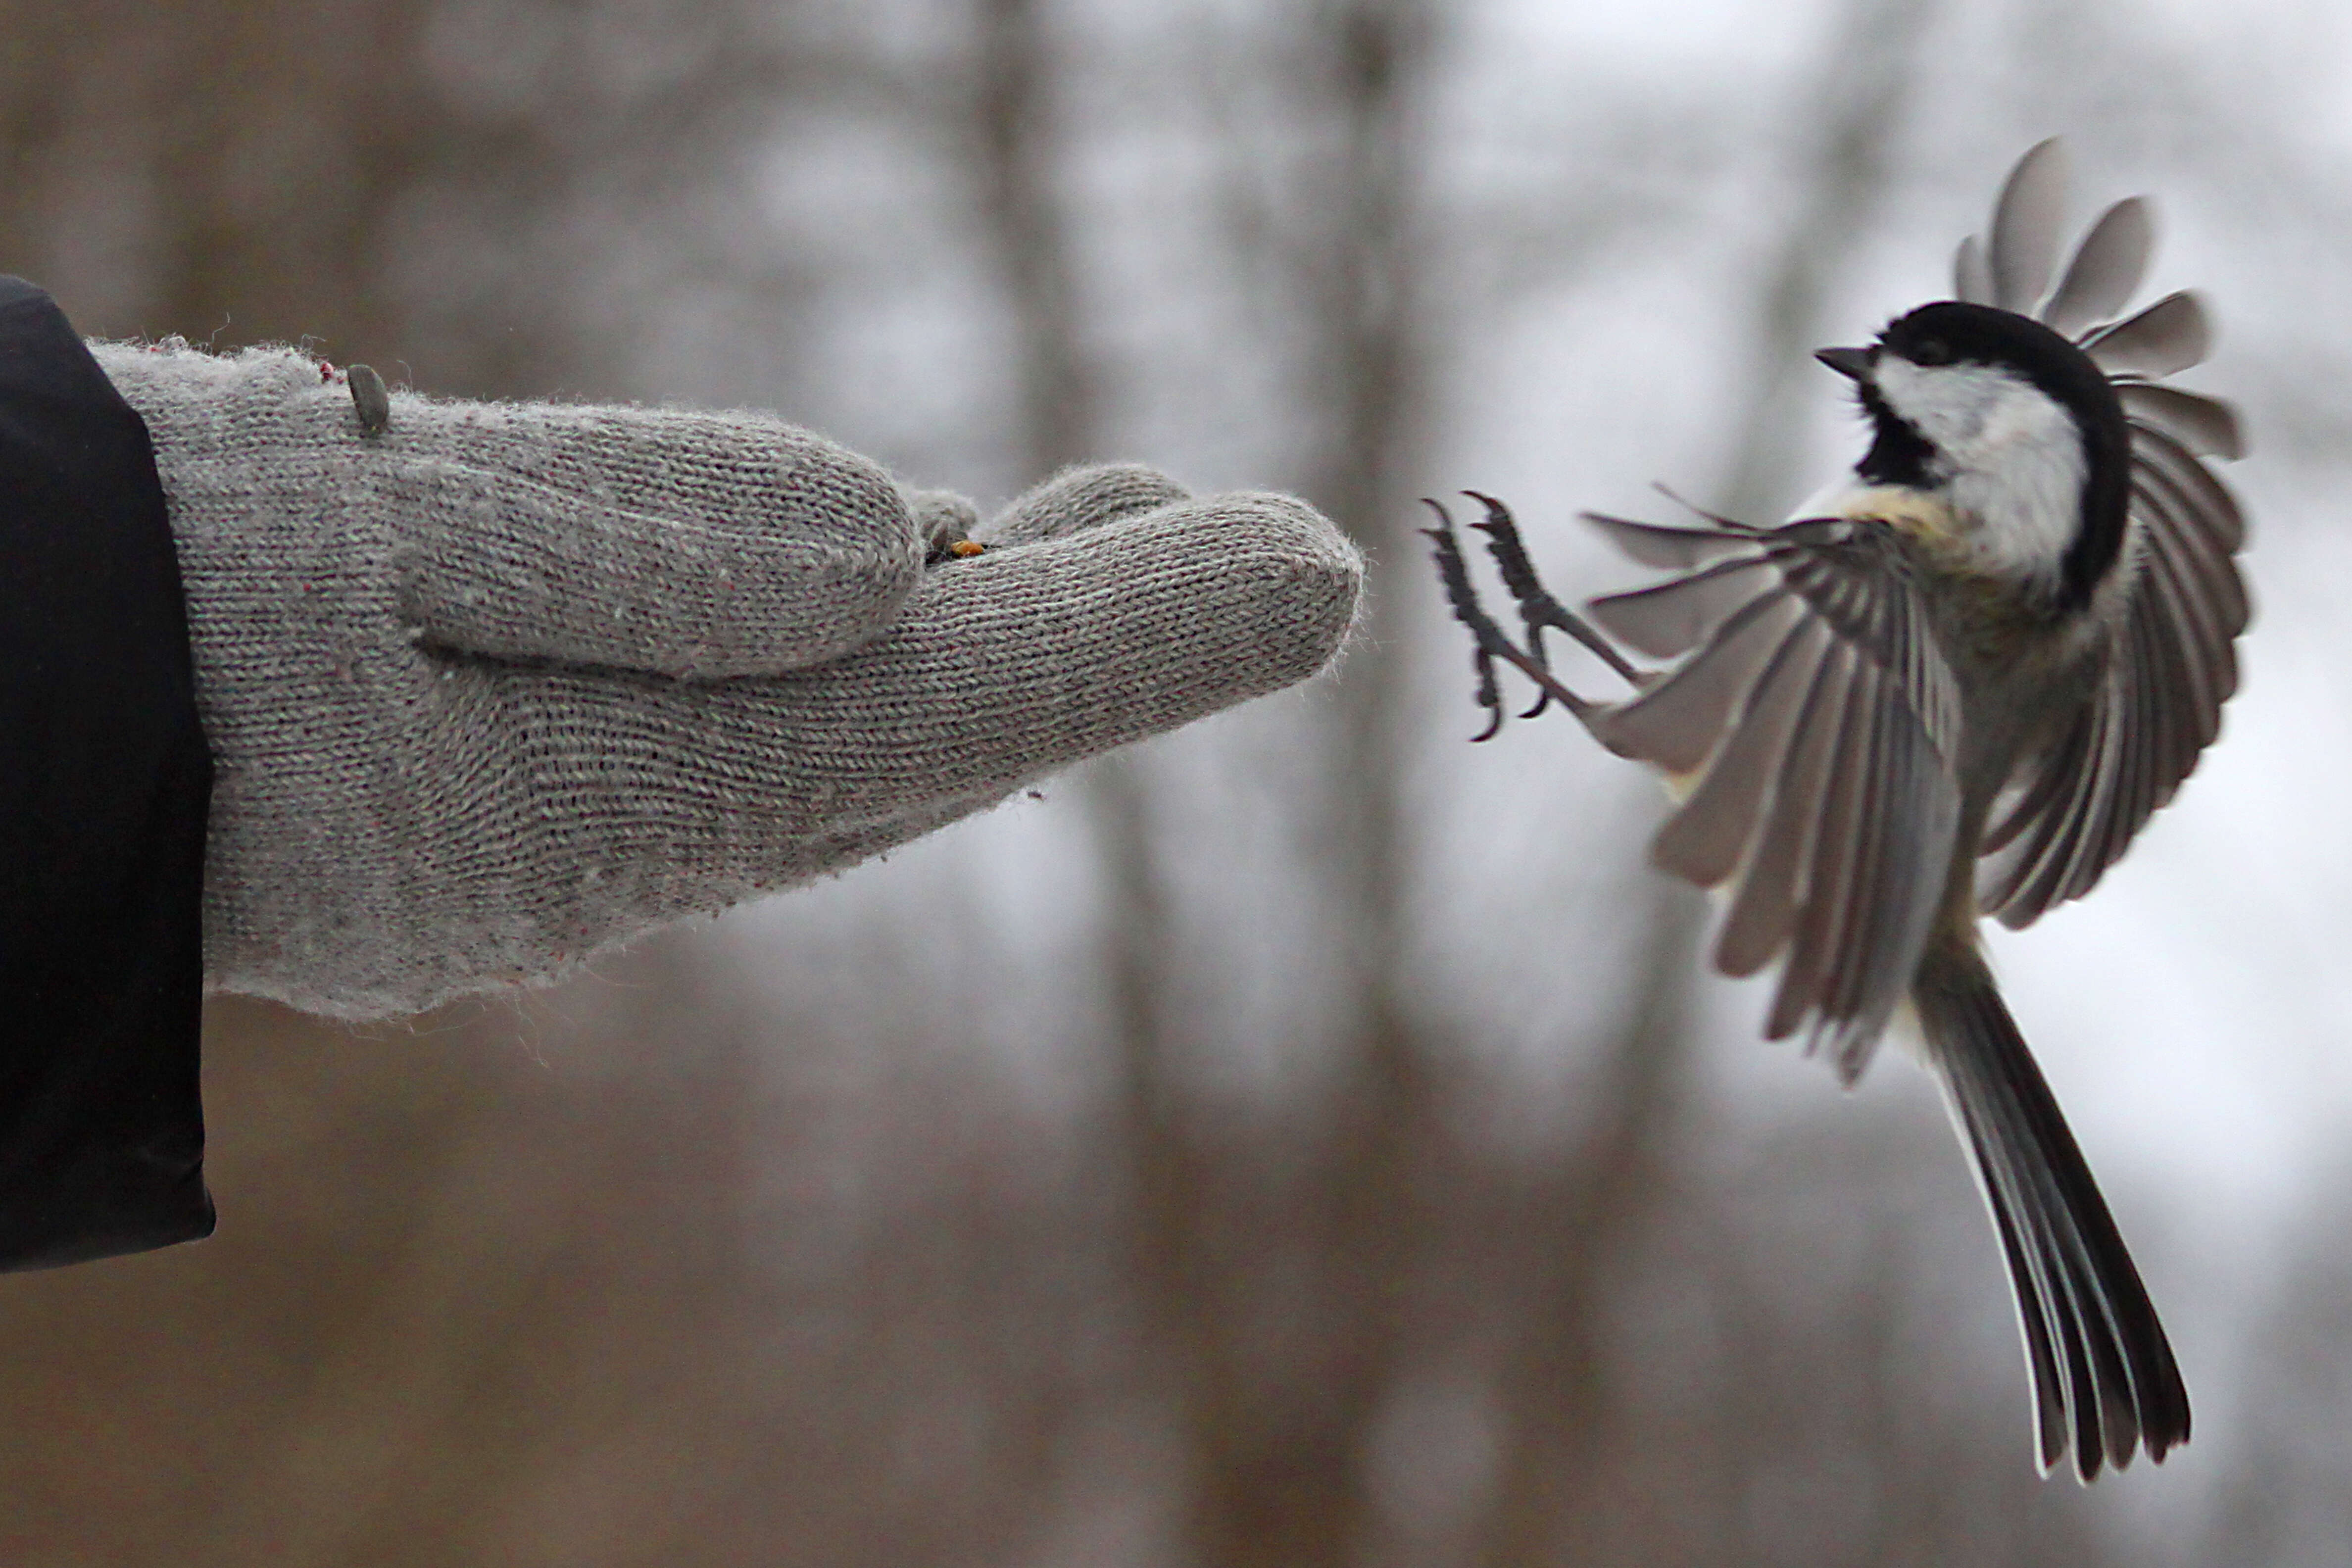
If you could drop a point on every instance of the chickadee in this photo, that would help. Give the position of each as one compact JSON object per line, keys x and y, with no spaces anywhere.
{"x":1956,"y":685}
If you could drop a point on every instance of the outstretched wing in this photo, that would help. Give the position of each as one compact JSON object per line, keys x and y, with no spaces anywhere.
{"x":1818,"y":723}
{"x":2070,"y":811}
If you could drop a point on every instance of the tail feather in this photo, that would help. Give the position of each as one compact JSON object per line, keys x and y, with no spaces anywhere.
{"x":2104,"y":1381}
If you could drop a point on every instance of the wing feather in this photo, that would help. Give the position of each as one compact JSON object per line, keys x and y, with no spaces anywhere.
{"x":1899,"y":881}
{"x":2037,"y":800}
{"x":2179,"y":536}
{"x":1764,"y":910}
{"x":1972,"y":276}
{"x":1678,"y":723}
{"x":2106,"y":270}
{"x":1809,"y":959}
{"x":2169,"y":336}
{"x":2044,"y":847}
{"x":2169,"y":666}
{"x":2209,"y":504}
{"x":1703,"y":841}
{"x":1822,"y":721}
{"x":2168,"y":688}
{"x":2205,"y":426}
{"x":2150,"y":683}
{"x":2026,"y":222}
{"x":2206,"y":664}
{"x":1673,"y":549}
{"x":1841,"y":987}
{"x":1674,"y":618}
{"x":2201,"y":607}
{"x":2085,"y":823}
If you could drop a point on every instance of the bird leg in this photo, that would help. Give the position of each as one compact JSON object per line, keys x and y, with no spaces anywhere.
{"x":1538,"y":608}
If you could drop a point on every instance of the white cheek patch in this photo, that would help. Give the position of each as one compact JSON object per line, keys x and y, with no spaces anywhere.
{"x":2013,"y":454}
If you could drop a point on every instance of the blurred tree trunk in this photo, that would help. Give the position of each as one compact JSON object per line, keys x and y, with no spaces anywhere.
{"x":1021,"y":138}
{"x":1277,"y":1272}
{"x":280,"y":167}
{"x":235,"y":174}
{"x":1367,"y":76}
{"x":1275,"y":1449}
{"x":1017,"y":142}
{"x":390,"y":178}
{"x":1562,"y":1414}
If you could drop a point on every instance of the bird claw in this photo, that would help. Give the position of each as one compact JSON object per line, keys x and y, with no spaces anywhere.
{"x":1537,"y":607}
{"x":1486,"y":638}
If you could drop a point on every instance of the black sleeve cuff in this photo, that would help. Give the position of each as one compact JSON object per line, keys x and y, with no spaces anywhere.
{"x":104,"y":784}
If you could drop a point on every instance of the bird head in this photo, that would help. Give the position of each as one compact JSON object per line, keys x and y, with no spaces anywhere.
{"x":2016,"y":430}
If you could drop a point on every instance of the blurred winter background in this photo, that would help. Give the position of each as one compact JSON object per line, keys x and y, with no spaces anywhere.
{"x":1304,"y":1141}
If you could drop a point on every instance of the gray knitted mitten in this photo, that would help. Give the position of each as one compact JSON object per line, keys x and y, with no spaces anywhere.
{"x":501,"y":685}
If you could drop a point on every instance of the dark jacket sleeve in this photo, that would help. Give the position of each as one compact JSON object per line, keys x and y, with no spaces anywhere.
{"x":104,"y":783}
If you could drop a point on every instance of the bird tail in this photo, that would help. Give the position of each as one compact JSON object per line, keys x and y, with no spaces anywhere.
{"x":2103,"y":1376}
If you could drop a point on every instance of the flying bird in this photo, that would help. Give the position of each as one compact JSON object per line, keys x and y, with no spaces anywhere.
{"x":1955,"y":686}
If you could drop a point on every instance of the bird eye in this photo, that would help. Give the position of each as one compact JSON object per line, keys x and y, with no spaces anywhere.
{"x":1931,"y":351}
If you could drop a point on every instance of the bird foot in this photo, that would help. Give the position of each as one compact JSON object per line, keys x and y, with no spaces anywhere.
{"x":1537,"y":610}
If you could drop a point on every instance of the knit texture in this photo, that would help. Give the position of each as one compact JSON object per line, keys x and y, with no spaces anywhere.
{"x":504,"y":684}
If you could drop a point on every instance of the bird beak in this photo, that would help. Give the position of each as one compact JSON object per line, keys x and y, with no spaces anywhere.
{"x":1854,"y":362}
